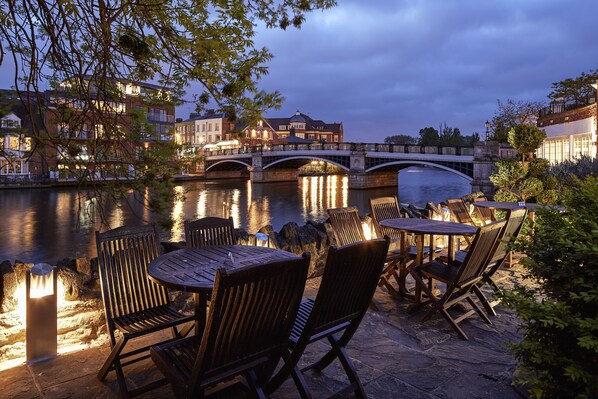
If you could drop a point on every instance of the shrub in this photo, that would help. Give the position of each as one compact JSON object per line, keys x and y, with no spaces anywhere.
{"x":558,"y":356}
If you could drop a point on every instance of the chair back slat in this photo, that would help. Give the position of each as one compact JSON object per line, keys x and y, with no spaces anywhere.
{"x":481,"y":250}
{"x":459,"y":211}
{"x":485,"y":214}
{"x":209,"y":231}
{"x":348,"y":283}
{"x":346,"y":225}
{"x":515,"y":219}
{"x":250,"y":319}
{"x":123,"y":257}
{"x":384,"y":208}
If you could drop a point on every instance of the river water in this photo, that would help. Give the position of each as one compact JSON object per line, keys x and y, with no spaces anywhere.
{"x":45,"y":225}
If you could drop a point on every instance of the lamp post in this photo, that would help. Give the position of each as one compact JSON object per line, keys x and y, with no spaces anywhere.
{"x":487,"y":124}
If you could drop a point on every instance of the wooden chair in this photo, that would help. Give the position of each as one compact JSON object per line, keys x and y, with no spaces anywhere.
{"x":134,"y":305}
{"x":460,"y":214}
{"x":348,"y":284}
{"x":460,"y":281}
{"x":384,"y":208}
{"x":209,"y":231}
{"x":347,"y":230}
{"x":248,"y":327}
{"x":514,"y":222}
{"x":484,"y":214}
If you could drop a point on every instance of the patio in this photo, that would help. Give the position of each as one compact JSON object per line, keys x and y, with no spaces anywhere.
{"x":396,"y":356}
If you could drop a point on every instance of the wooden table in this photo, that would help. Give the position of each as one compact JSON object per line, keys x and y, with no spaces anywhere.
{"x":194,"y":269}
{"x":421,"y":227}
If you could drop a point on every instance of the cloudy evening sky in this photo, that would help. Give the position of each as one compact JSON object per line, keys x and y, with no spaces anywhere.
{"x":386,"y":67}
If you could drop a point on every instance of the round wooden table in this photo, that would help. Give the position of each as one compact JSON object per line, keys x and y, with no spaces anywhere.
{"x":421,"y":227}
{"x":194,"y":269}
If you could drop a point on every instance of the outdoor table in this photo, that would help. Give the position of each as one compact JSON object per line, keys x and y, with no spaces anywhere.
{"x":194,"y":269}
{"x":421,"y":227}
{"x":509,"y":206}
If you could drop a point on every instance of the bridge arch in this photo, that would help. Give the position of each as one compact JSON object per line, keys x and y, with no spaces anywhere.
{"x":227,"y":161}
{"x":416,"y":163}
{"x":307,"y":157}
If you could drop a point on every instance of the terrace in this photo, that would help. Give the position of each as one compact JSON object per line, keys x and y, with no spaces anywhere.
{"x":394,"y":353}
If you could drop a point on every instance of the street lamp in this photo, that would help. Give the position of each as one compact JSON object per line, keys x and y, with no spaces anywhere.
{"x":487,"y":124}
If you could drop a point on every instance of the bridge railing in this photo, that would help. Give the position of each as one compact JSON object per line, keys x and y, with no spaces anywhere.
{"x":368,"y":147}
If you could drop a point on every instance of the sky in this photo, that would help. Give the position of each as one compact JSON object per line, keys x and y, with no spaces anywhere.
{"x":386,"y":67}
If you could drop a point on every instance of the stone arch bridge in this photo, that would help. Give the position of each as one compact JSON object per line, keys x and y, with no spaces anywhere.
{"x":368,"y":165}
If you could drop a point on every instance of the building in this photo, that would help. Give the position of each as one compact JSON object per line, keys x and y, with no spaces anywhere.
{"x":17,"y":121}
{"x":105,"y":133}
{"x":199,"y":130}
{"x":571,"y":132}
{"x":307,"y":128}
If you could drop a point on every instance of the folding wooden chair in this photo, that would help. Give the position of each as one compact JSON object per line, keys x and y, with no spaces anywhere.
{"x":460,"y":214}
{"x":484,"y":214}
{"x":384,"y":208}
{"x":134,"y":305}
{"x":348,"y":230}
{"x":514,"y":222}
{"x":209,"y":231}
{"x":348,"y":284}
{"x":460,"y":281}
{"x":248,"y":327}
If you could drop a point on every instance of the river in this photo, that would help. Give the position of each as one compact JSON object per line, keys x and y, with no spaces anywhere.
{"x":45,"y":225}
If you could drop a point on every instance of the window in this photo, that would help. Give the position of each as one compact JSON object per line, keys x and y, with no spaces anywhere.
{"x":216,"y":126}
{"x":99,"y":131}
{"x":203,"y":127}
{"x":209,"y":127}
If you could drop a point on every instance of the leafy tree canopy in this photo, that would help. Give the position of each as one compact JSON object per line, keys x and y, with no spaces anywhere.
{"x":578,"y":90}
{"x":526,"y":139}
{"x":510,"y":114}
{"x":88,"y":51}
{"x":400,"y":139}
{"x":428,"y":136}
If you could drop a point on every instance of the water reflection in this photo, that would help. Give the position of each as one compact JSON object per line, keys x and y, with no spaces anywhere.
{"x":47,"y":225}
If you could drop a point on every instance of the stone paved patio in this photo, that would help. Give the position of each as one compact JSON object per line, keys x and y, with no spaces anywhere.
{"x":395,"y":354}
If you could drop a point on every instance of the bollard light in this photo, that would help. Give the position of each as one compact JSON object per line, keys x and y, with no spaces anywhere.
{"x":41,"y":312}
{"x":262,"y":240}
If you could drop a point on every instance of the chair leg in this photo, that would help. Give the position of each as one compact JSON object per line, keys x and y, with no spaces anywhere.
{"x":349,"y":368}
{"x":478,"y":310}
{"x":290,"y":363}
{"x":300,"y":383}
{"x":110,"y":361}
{"x":455,"y":326}
{"x":251,"y":378}
{"x":487,"y":305}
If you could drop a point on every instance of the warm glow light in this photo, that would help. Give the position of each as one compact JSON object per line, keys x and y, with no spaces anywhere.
{"x":367,"y":231}
{"x":41,"y":285}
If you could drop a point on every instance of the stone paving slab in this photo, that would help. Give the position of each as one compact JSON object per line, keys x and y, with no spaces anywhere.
{"x":395,"y":354}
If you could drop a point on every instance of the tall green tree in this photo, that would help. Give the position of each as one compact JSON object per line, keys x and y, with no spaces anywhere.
{"x":428,"y":136}
{"x":526,"y":139}
{"x":510,"y":114}
{"x":86,"y":48}
{"x":449,"y":136}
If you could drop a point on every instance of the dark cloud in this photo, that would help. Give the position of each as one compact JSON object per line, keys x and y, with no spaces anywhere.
{"x":388,"y":67}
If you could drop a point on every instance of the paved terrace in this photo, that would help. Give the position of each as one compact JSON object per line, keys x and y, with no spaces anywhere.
{"x":395,"y":354}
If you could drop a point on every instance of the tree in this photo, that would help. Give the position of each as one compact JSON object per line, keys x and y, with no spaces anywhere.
{"x":578,"y":91}
{"x":400,"y":139}
{"x":510,"y":114}
{"x":449,"y":136}
{"x":558,"y":356}
{"x":526,"y":139}
{"x":428,"y":136}
{"x":89,"y":51}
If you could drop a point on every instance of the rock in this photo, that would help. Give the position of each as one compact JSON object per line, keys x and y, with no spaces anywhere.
{"x":72,"y":283}
{"x":172,"y":246}
{"x":83,"y":267}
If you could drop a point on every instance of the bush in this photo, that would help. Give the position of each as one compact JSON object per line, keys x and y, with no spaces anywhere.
{"x":558,"y":356}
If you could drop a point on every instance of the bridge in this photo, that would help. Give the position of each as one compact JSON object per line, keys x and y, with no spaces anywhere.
{"x":368,"y":165}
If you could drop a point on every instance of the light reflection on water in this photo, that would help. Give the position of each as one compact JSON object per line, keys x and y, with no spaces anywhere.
{"x":48,"y":225}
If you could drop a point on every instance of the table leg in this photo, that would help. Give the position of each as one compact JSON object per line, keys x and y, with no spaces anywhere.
{"x":201,"y":305}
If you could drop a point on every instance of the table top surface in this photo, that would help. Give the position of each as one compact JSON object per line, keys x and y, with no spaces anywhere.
{"x":429,"y":226}
{"x":194,"y":269}
{"x":509,"y":206}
